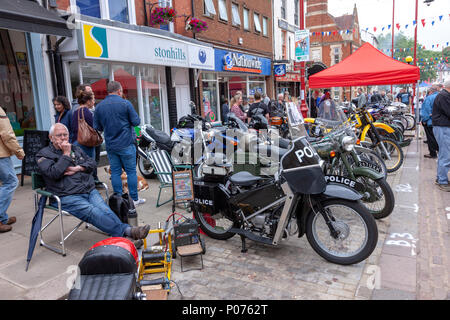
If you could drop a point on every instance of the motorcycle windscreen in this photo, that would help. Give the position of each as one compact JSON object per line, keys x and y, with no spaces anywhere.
{"x":301,"y":168}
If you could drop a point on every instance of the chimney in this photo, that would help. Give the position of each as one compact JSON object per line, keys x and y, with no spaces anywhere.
{"x":316,"y":6}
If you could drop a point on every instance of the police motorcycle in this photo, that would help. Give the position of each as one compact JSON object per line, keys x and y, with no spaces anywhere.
{"x":297,"y":200}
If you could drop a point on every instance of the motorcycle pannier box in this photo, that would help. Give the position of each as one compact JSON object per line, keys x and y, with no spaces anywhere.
{"x":207,"y":196}
{"x":213,"y":170}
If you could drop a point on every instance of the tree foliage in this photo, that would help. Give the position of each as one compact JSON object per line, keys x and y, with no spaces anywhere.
{"x":427,"y":60}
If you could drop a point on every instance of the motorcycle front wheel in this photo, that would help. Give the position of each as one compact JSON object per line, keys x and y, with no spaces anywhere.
{"x":393,"y":159}
{"x":378,"y":197}
{"x":357,"y":232}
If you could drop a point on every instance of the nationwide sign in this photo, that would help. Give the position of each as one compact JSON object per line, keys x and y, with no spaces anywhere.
{"x":239,"y":62}
{"x":279,"y":70}
{"x":117,"y":44}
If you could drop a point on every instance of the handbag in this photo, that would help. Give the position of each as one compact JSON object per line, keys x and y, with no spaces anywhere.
{"x":87,"y":136}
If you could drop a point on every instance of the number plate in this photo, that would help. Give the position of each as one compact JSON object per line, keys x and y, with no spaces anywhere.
{"x":373,"y":166}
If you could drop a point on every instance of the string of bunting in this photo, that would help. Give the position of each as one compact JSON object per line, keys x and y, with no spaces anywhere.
{"x":424,"y":22}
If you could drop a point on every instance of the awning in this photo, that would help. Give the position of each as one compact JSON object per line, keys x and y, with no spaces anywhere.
{"x":29,"y":16}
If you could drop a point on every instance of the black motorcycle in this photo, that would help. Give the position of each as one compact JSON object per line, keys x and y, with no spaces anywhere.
{"x":298,"y":200}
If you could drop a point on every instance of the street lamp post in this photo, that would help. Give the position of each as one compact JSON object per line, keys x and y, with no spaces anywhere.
{"x":303,"y":107}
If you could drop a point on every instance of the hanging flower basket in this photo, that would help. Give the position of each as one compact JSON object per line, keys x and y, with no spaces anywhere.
{"x":196,"y":25}
{"x":162,"y":15}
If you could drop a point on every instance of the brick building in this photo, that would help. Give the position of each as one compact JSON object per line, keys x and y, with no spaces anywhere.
{"x":241,"y":34}
{"x":332,"y":39}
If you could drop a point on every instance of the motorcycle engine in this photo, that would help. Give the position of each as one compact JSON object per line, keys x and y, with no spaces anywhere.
{"x":265,"y":223}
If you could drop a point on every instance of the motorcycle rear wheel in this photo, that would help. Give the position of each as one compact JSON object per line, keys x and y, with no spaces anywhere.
{"x":353,"y":222}
{"x":216,"y":225}
{"x":145,"y":168}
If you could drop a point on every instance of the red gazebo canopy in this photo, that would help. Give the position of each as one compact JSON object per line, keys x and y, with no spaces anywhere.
{"x":366,"y":66}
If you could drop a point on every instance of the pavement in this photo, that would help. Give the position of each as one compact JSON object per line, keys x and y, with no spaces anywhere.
{"x":410,"y":262}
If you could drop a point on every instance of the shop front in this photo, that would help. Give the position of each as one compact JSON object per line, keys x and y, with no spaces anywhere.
{"x":290,"y":83}
{"x":23,"y":84}
{"x":234,"y":72}
{"x":152,"y":66}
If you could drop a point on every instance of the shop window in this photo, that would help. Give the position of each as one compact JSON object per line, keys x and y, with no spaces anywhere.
{"x":246,"y":14}
{"x":209,"y":100}
{"x":90,"y":8}
{"x":235,"y":14}
{"x":223,"y":14}
{"x":97,"y":76}
{"x":74,"y":70}
{"x":16,"y":93}
{"x":265,"y":25}
{"x":209,"y":9}
{"x":257,"y":22}
{"x":151,"y":97}
{"x":283,"y":44}
{"x":296,"y":11}
{"x":237,"y":84}
{"x":126,"y":75}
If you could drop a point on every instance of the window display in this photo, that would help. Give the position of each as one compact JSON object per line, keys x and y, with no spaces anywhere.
{"x":152,"y":97}
{"x":16,"y":93}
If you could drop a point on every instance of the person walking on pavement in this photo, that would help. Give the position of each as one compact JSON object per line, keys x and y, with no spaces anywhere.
{"x":441,"y":129}
{"x":425,"y":114}
{"x":63,"y":113}
{"x":8,"y":147}
{"x":117,"y":118}
{"x":362,"y":99}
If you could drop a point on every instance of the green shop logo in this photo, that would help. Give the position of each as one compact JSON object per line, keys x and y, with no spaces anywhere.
{"x":175,"y":54}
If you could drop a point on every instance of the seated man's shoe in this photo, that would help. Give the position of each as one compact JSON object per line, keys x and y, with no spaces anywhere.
{"x":140,"y":232}
{"x":430,"y":156}
{"x":4,"y":228}
{"x":139,"y":202}
{"x":138,"y":243}
{"x":11,"y":220}
{"x":445,"y":187}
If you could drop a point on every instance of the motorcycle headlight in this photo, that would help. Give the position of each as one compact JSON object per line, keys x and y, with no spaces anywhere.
{"x":348,"y":143}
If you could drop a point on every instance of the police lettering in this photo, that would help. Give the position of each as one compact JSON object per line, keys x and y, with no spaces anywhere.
{"x":341,"y":180}
{"x":204,"y":201}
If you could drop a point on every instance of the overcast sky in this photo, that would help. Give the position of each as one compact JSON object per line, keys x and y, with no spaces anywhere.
{"x":378,"y":13}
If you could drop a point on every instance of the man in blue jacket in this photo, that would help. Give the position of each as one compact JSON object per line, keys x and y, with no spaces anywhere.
{"x":425,"y":115}
{"x":117,"y":118}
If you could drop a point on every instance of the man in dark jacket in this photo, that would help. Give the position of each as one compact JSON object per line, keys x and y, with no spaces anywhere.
{"x":117,"y":118}
{"x":67,"y":173}
{"x":258,"y":107}
{"x":441,"y":129}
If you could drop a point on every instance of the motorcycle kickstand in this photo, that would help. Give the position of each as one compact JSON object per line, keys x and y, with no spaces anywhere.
{"x":244,"y":247}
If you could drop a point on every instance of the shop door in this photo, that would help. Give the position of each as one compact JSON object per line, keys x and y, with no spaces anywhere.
{"x":223,"y":97}
{"x":183,"y":97}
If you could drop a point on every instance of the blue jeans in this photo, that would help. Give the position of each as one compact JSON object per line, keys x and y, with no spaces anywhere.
{"x":9,"y":182}
{"x":442,"y":135}
{"x":125,"y":159}
{"x":91,"y":208}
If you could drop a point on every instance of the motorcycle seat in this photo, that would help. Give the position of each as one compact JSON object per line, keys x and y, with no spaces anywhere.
{"x":119,"y":286}
{"x":244,"y":179}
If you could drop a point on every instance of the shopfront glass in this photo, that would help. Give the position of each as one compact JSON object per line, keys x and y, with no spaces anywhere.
{"x":256,"y":84}
{"x":126,"y":74}
{"x":237,"y":83}
{"x":16,"y":93}
{"x":209,"y":97}
{"x":151,"y":97}
{"x":97,"y":76}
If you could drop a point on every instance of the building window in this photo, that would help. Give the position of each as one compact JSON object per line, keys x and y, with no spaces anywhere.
{"x":246,"y":19}
{"x":265,"y":23}
{"x":257,"y":22}
{"x":117,"y":10}
{"x":296,"y":9}
{"x":153,"y":113}
{"x":235,"y":14}
{"x":283,"y":44}
{"x":97,"y":76}
{"x":209,"y":9}
{"x":210,"y":94}
{"x":336,"y":55}
{"x":16,"y":93}
{"x":283,"y":9}
{"x":223,"y":14}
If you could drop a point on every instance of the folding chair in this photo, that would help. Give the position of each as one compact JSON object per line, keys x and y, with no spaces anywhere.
{"x":38,"y":185}
{"x":187,"y":241}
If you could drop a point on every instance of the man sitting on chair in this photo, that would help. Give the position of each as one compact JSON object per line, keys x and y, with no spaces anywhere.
{"x":67,"y":173}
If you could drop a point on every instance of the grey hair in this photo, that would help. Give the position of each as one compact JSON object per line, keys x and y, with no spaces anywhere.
{"x":114,"y":86}
{"x":447,"y":83}
{"x":52,"y":128}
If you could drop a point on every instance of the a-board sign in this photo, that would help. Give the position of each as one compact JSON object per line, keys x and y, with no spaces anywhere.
{"x":33,"y":141}
{"x":183,"y":188}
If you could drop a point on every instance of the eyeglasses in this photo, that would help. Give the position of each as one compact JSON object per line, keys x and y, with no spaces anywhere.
{"x":65,"y":135}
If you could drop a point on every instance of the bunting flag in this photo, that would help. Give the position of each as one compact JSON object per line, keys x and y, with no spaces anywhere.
{"x":423,"y":22}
